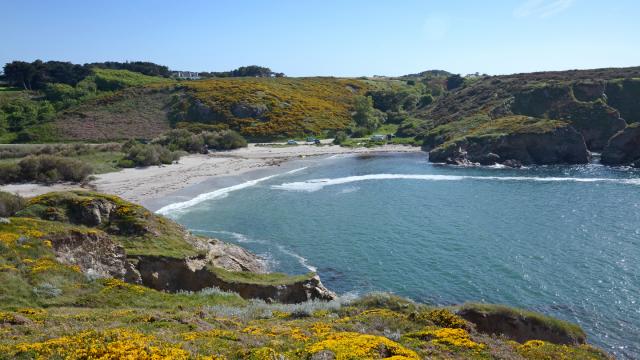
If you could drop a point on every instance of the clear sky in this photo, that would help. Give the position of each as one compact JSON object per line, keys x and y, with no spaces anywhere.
{"x":328,"y":37}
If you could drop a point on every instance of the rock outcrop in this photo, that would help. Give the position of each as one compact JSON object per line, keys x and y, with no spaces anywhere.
{"x":96,"y":254}
{"x":172,"y":275}
{"x":246,"y":110}
{"x":624,"y":147}
{"x":520,"y":327}
{"x":225,"y":255}
{"x":117,"y":239}
{"x":561,"y":145}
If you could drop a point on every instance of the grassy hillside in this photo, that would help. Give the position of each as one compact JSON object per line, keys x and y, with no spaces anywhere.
{"x":105,"y":105}
{"x":271,"y":107}
{"x":129,"y":113}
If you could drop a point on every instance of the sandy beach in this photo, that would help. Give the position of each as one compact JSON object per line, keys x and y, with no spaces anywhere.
{"x":143,"y":184}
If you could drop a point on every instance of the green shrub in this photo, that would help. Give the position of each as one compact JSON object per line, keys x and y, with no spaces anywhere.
{"x":9,"y":172}
{"x":61,"y":92}
{"x":149,"y":154}
{"x":224,"y":140}
{"x":425,"y":100}
{"x":340,"y":137}
{"x":10,"y":204}
{"x":111,"y":80}
{"x":126,"y":163}
{"x":50,"y":169}
{"x":181,"y":139}
{"x":359,"y":132}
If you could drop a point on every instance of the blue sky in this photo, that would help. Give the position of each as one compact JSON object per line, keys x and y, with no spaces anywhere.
{"x":341,"y":37}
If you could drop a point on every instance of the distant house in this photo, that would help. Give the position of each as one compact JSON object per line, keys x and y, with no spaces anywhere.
{"x":185,"y":75}
{"x":378,"y":137}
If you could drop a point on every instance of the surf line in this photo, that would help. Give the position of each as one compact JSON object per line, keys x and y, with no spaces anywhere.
{"x":216,"y":194}
{"x":318,"y":184}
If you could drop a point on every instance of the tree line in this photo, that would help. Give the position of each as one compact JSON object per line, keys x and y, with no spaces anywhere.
{"x":37,"y":74}
{"x":244,"y":71}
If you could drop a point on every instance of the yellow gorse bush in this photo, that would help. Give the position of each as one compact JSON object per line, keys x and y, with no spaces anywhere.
{"x":215,"y":333}
{"x":8,"y":239}
{"x":110,"y":344}
{"x":292,"y":106}
{"x":382,"y":313}
{"x":448,"y":337}
{"x":444,"y":318}
{"x":116,"y":284}
{"x":351,"y":345}
{"x":278,"y":330}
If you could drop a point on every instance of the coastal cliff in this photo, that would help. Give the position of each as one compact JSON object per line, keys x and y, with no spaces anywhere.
{"x":84,"y":272}
{"x":597,"y":104}
{"x":624,"y":147}
{"x":127,"y":242}
{"x":512,"y":141}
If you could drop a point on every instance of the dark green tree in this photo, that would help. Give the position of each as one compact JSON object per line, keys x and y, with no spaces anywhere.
{"x":454,"y":81}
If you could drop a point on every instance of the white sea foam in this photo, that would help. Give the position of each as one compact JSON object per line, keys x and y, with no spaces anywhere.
{"x":302,"y":260}
{"x":318,"y":184}
{"x":241,"y":238}
{"x":217,"y":194}
{"x":349,"y":189}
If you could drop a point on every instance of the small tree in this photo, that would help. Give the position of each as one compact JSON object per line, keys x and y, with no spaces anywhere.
{"x":364,"y":115}
{"x":10,"y":204}
{"x":340,"y":137}
{"x":454,"y":81}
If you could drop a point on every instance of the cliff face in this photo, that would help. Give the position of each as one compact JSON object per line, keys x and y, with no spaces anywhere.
{"x":169,"y":274}
{"x":624,"y":147}
{"x":596,"y":103}
{"x":127,"y":242}
{"x":519,"y":325}
{"x":514,"y":141}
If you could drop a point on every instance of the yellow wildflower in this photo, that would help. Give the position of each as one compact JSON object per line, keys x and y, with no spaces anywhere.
{"x":448,"y":337}
{"x":350,"y":345}
{"x":8,"y":239}
{"x":111,"y":344}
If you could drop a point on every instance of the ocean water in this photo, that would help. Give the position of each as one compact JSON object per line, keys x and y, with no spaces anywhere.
{"x":563,"y":240}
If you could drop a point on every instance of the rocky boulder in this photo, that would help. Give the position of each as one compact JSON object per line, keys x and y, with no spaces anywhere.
{"x":246,"y":110}
{"x":95,"y":212}
{"x":624,"y":147}
{"x":226,"y":256}
{"x":563,"y":145}
{"x":95,"y":254}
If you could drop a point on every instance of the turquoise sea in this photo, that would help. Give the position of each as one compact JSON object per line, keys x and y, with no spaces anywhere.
{"x":563,"y":240}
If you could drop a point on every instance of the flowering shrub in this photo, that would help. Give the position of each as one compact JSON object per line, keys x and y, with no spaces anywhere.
{"x":448,"y":337}
{"x":440,"y":317}
{"x":215,"y":333}
{"x":272,"y":107}
{"x":350,"y":345}
{"x":8,"y":239}
{"x":110,"y":344}
{"x":116,"y":284}
{"x":537,"y":349}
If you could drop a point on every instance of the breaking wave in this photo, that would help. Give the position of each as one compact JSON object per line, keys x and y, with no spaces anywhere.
{"x":319,"y":184}
{"x":217,"y":194}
